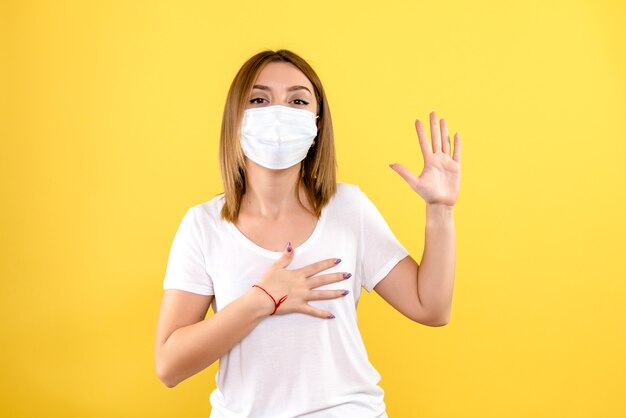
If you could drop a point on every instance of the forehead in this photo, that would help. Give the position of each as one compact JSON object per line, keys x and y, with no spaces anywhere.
{"x":282,"y":75}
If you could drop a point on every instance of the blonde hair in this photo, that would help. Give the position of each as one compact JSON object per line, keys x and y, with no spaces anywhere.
{"x":318,"y":169}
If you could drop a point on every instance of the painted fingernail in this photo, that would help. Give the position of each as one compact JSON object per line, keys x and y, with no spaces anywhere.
{"x":337,"y":261}
{"x":347,"y":275}
{"x":288,"y":248}
{"x":331,"y":316}
{"x":345,"y":292}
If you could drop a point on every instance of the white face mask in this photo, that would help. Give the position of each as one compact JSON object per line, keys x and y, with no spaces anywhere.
{"x":277,"y":136}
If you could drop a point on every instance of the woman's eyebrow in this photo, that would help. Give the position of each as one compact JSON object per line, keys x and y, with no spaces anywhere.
{"x":292,"y":88}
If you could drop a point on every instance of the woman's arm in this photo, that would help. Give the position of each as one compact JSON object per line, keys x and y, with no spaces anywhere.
{"x":435,"y":280}
{"x":186,"y":343}
{"x":424,"y":293}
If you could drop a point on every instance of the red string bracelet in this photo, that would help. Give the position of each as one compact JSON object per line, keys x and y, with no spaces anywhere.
{"x":276,"y":304}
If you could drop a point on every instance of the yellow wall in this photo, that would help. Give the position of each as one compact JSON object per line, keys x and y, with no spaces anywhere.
{"x":110,"y":129}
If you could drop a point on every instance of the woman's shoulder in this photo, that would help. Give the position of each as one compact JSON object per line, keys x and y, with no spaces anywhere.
{"x":348,"y":189}
{"x":208,"y":212}
{"x":347,"y":196}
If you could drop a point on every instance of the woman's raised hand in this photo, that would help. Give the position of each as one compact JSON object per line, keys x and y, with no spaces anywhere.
{"x":295,"y":286}
{"x":440,"y":179}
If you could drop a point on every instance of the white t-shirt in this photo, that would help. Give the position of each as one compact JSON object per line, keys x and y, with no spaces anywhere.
{"x":294,"y":364}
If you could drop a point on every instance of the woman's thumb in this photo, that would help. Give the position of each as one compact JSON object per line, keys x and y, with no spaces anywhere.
{"x":406,"y":174}
{"x":286,"y":256}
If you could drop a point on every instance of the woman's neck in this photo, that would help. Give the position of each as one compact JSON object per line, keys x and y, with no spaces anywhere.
{"x":272,"y":193}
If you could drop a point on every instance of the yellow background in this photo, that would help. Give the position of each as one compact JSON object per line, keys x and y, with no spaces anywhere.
{"x":110,"y":127}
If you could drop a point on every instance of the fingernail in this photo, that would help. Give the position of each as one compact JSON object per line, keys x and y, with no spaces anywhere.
{"x":345,"y":292}
{"x":331,"y":316}
{"x":288,"y":248}
{"x":392,"y":164}
{"x":337,"y":261}
{"x":347,"y":275}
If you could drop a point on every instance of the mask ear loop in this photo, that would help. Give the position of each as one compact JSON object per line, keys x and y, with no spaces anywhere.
{"x":314,"y":138}
{"x":302,"y":170}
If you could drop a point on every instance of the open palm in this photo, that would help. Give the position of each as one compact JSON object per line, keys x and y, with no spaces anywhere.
{"x":440,"y":179}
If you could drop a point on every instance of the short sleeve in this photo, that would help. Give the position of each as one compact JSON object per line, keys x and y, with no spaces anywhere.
{"x":380,"y":249}
{"x":186,"y":268}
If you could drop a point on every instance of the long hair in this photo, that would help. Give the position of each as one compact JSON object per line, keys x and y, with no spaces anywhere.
{"x":319,"y":167}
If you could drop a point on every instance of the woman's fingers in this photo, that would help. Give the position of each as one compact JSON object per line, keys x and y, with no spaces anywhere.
{"x":286,"y":257}
{"x":328,"y":294}
{"x":423,"y":140}
{"x":457,"y":148}
{"x":311,"y":269}
{"x":323,"y":279}
{"x":406,"y":174}
{"x":317,"y":312}
{"x":445,"y":138}
{"x":434,"y":132}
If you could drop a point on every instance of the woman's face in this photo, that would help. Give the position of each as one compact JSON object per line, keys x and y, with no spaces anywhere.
{"x":282,"y":83}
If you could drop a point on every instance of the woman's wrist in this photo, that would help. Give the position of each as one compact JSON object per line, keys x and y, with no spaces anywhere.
{"x":439,"y":215}
{"x":262,"y":303}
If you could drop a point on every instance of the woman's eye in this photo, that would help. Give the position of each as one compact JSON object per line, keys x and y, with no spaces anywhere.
{"x":256,"y":98}
{"x":300,"y":100}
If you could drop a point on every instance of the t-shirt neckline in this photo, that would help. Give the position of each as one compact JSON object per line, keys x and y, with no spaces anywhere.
{"x":275,"y":254}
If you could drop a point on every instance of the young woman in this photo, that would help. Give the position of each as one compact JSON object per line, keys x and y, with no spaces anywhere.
{"x":282,"y":255}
